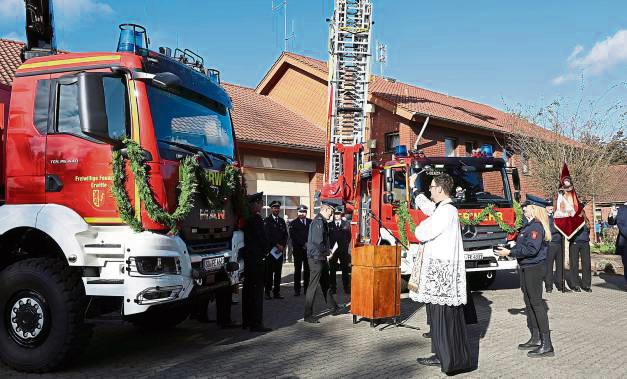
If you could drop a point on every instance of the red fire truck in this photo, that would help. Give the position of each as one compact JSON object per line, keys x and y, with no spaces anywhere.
{"x":376,"y":193}
{"x":66,"y":254}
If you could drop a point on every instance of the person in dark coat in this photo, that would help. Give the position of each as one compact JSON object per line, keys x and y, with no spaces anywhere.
{"x":621,"y":240}
{"x":299,"y":230}
{"x":531,"y":251}
{"x":580,"y":247}
{"x":340,"y":233}
{"x":276,"y":232}
{"x":254,"y":253}
{"x":318,"y":251}
{"x":555,"y":257}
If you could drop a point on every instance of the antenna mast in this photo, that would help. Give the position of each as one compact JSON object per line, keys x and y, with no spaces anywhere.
{"x":277,"y":5}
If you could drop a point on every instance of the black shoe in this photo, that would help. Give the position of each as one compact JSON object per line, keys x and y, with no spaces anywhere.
{"x":426,"y":335}
{"x":533,"y":343}
{"x":268,"y":297}
{"x":260,"y":329}
{"x":311,"y":320}
{"x":545,"y":349}
{"x":577,"y":289}
{"x":549,"y":290}
{"x":278,"y":296}
{"x":431,"y":361}
{"x":560,"y":289}
{"x":336,"y":311}
{"x":586,"y":289}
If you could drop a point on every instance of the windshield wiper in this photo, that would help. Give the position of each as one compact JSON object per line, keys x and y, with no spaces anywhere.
{"x":184,"y":146}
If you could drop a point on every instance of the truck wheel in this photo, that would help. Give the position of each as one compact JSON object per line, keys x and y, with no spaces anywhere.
{"x":160,"y":320}
{"x":404,"y":284}
{"x":43,"y":305}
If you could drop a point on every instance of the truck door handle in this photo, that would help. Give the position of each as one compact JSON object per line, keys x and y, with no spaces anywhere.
{"x":53,"y":183}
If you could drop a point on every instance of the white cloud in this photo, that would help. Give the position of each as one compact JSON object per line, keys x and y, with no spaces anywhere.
{"x":11,"y":8}
{"x":72,"y":9}
{"x":14,"y":36}
{"x":603,"y":56}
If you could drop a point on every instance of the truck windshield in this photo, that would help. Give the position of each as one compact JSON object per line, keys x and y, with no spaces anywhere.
{"x":474,"y":185}
{"x":194,"y":122}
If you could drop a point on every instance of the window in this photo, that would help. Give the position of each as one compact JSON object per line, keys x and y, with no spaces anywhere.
{"x":116,"y":103}
{"x":288,"y":206}
{"x":42,"y":98}
{"x":68,"y":120}
{"x":400,"y":186}
{"x":525,"y":164}
{"x":391,"y":141}
{"x":449,"y":147}
{"x":470,"y":146}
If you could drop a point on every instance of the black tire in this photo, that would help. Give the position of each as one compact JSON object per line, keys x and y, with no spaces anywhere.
{"x":54,"y":294}
{"x":165,"y":319}
{"x":405,"y":284}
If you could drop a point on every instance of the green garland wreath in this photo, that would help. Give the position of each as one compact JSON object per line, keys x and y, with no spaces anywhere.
{"x":404,"y":219}
{"x":192,"y":178}
{"x":187,"y":185}
{"x":489,"y":210}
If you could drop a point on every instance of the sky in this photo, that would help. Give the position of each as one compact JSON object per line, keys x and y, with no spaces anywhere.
{"x":511,"y":55}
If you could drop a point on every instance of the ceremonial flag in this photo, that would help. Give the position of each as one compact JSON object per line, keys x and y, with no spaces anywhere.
{"x":568,"y":216}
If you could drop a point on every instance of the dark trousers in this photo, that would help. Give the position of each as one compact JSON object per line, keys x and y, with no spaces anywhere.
{"x":554,"y":256}
{"x":531,"y":279}
{"x":300,"y":264}
{"x":273,"y":274}
{"x":252,"y":294}
{"x":319,"y":279}
{"x":449,"y":338}
{"x":223,"y":305}
{"x":579,"y":249}
{"x":340,"y":261}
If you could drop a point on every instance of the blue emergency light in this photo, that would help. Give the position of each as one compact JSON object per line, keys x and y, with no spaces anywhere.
{"x":400,"y":151}
{"x":132,"y":39}
{"x":486,"y":150}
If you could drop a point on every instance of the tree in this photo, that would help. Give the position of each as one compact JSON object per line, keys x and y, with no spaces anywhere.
{"x":589,"y":142}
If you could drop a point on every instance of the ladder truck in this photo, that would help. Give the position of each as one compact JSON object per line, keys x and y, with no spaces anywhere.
{"x":68,"y":255}
{"x":375,"y":193}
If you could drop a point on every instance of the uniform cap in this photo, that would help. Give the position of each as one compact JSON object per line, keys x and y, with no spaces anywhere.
{"x":536,"y":200}
{"x":275,"y":203}
{"x":255,"y":197}
{"x":339,"y":209}
{"x":302,"y":207}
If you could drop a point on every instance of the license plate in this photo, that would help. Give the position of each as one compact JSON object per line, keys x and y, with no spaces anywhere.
{"x":473,"y":257}
{"x":212,"y":264}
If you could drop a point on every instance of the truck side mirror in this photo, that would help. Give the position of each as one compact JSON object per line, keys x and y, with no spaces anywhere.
{"x":516,"y":183}
{"x":92,"y":107}
{"x":388,"y":179}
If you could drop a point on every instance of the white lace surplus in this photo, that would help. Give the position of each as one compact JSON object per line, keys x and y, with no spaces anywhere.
{"x":442,"y":282}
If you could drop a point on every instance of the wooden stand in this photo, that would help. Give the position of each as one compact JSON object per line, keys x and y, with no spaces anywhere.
{"x":376,"y":283}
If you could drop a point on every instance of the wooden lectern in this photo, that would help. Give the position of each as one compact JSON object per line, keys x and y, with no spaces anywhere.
{"x":376,"y":282}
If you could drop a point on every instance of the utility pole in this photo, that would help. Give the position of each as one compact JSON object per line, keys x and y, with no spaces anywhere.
{"x":382,"y":55}
{"x":277,"y":6}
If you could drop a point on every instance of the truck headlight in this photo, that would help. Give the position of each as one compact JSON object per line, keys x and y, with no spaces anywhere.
{"x":155,"y":265}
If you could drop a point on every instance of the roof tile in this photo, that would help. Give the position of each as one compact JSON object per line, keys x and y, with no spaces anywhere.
{"x":9,"y":59}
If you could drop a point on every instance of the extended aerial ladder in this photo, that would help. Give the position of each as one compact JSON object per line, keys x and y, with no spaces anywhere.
{"x":349,"y":73}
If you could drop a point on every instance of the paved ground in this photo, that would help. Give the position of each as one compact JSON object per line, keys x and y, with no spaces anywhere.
{"x":589,"y":333}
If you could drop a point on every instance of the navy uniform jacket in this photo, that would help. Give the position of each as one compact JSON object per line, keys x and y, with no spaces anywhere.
{"x":276,"y":231}
{"x":556,"y":236}
{"x":318,"y":247}
{"x":341,"y":235}
{"x":621,"y":222}
{"x":256,"y":245}
{"x":582,"y":236}
{"x":531,"y":248}
{"x":299,"y":233}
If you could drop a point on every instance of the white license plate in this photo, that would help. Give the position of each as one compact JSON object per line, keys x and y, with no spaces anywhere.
{"x":212,"y":264}
{"x":473,"y":257}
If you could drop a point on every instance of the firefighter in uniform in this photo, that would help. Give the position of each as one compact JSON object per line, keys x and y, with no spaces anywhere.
{"x":254,"y":253}
{"x":340,"y":233}
{"x":318,"y":249}
{"x":299,"y":230}
{"x":531,"y":248}
{"x":276,"y":233}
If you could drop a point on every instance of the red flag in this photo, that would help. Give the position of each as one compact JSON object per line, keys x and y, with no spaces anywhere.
{"x":567,"y":216}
